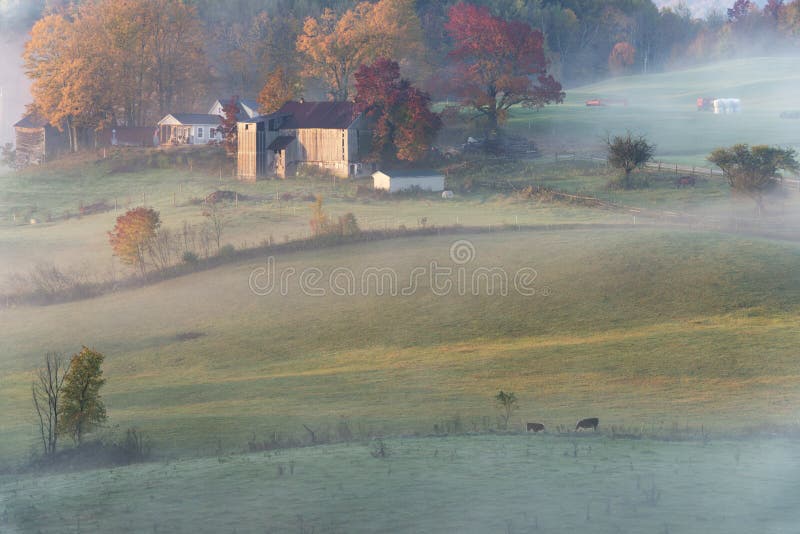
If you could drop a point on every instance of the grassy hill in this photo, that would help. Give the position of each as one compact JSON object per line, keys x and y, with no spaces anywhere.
{"x":662,"y":107}
{"x":637,"y":327}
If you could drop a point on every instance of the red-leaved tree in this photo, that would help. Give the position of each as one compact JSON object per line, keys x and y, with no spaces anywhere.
{"x":404,"y":125}
{"x":498,"y":64}
{"x":228,"y":128}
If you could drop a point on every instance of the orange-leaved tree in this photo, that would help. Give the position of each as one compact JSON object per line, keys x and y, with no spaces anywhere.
{"x":282,"y":85}
{"x":132,"y":234}
{"x":333,"y":47}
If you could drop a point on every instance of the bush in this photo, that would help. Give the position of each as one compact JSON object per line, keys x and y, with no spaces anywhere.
{"x":226,"y":251}
{"x":190,"y":258}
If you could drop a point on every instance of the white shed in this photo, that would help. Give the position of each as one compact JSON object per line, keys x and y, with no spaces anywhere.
{"x":394,"y":181}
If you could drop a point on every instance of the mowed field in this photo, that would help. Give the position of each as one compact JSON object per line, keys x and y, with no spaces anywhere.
{"x":662,"y":107}
{"x":644,"y":328}
{"x":471,"y":484}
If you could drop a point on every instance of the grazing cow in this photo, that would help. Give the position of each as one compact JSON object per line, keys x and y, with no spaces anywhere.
{"x":685,"y":181}
{"x":535,"y":427}
{"x":590,"y":422}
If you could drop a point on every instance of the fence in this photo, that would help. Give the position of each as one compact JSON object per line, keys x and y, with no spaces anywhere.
{"x":693,"y":170}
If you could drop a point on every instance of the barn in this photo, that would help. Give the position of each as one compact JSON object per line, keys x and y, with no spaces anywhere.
{"x":326,"y":135}
{"x":394,"y":181}
{"x":37,"y":141}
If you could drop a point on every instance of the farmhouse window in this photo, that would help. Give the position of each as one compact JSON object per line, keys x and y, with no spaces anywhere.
{"x":199,"y":132}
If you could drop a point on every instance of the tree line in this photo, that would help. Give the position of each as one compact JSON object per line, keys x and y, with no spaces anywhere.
{"x":98,"y":63}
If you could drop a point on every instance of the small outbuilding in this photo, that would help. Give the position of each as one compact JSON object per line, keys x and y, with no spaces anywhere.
{"x":394,"y":181}
{"x":37,"y":141}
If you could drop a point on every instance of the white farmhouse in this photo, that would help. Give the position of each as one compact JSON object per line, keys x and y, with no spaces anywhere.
{"x":189,"y":129}
{"x":394,"y":181}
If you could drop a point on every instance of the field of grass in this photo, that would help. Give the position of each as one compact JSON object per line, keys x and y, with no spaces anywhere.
{"x":638,"y":326}
{"x":481,"y":484}
{"x":662,"y":107}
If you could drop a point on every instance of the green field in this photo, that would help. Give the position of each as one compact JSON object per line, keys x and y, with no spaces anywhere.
{"x":639,"y":326}
{"x":471,"y":484}
{"x":662,"y":107}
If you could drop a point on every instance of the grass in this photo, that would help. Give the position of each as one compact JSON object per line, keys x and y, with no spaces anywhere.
{"x":509,"y":484}
{"x":638,"y":326}
{"x":662,"y":107}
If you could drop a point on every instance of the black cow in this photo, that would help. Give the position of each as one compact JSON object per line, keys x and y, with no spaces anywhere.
{"x":590,"y":422}
{"x":535,"y":427}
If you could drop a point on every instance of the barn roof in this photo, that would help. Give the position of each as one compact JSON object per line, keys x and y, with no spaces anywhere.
{"x":328,"y":115}
{"x":280,"y":142}
{"x":31,"y":120}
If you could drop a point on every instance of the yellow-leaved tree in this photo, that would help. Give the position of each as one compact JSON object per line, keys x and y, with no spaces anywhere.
{"x":333,"y":47}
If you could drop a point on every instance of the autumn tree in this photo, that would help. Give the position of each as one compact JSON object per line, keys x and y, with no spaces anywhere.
{"x":754,"y":171}
{"x":333,"y":47}
{"x":628,"y":153}
{"x":106,"y":62}
{"x":281,"y":87}
{"x":621,"y":57}
{"x":46,"y":392}
{"x":404,"y":127}
{"x":498,"y":64}
{"x":508,"y":403}
{"x":229,"y":125}
{"x":132,"y":234}
{"x":82,"y":408}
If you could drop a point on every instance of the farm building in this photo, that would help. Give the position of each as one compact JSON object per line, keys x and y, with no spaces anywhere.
{"x":37,"y":141}
{"x":394,"y":181}
{"x":248,"y":108}
{"x":327,"y":135}
{"x":189,"y":129}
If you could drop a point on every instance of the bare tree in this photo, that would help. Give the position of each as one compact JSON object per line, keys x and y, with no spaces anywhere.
{"x":46,"y":393}
{"x":217,"y":222}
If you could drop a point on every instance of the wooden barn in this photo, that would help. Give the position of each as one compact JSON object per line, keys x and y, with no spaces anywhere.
{"x":327,"y":135}
{"x":37,"y":141}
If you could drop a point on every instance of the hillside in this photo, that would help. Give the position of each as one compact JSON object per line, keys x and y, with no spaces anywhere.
{"x":662,"y":107}
{"x":639,"y":327}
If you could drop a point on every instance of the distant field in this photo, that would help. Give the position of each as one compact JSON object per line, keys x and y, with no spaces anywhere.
{"x":469,"y":484}
{"x":638,"y":326}
{"x":662,"y":107}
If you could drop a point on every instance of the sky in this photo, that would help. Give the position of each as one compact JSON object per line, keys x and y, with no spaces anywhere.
{"x":701,"y":7}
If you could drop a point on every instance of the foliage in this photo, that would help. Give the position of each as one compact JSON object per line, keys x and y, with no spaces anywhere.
{"x":753,"y":171}
{"x":108,"y":62}
{"x":404,"y":126}
{"x":46,"y":393}
{"x":228,"y":128}
{"x":322,"y":225}
{"x":621,"y":57}
{"x":333,"y":47}
{"x":498,"y":64}
{"x":508,"y":403}
{"x":281,"y":87}
{"x":82,"y":408}
{"x":133,"y":233}
{"x":628,"y":153}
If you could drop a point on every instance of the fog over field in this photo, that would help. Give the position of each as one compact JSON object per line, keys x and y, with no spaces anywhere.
{"x":301,"y":267}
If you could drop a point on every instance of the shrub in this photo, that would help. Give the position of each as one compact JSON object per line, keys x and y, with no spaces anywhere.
{"x":190,"y":258}
{"x":226,"y":251}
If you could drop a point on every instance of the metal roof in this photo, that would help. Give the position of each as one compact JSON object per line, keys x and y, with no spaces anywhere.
{"x":327,"y":115}
{"x":197,"y":118}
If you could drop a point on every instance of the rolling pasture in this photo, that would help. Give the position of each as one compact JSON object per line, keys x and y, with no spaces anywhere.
{"x":662,"y":107}
{"x":649,"y":327}
{"x":473,"y":484}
